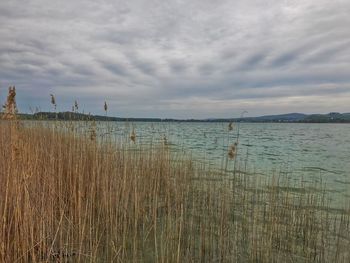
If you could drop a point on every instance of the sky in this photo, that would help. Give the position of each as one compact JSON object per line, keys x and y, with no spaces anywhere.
{"x":177,"y":59}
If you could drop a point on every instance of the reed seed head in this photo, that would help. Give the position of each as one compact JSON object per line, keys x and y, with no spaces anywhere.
{"x":53,"y":100}
{"x":133,"y":136}
{"x":105,"y":106}
{"x":10,"y":107}
{"x":232,"y":151}
{"x":230,"y":126}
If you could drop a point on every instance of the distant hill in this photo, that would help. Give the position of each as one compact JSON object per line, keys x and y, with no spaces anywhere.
{"x":332,"y":117}
{"x":290,"y":117}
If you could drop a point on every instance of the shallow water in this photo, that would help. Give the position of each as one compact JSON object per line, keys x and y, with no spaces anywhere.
{"x":307,"y":152}
{"x":301,"y":152}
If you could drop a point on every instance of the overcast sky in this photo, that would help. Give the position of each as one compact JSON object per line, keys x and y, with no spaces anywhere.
{"x":180,"y":59}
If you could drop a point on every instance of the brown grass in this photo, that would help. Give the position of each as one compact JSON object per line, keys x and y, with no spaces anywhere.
{"x":67,"y":198}
{"x":10,"y":107}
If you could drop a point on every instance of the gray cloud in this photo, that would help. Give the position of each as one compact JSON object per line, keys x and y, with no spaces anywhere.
{"x":178,"y":59}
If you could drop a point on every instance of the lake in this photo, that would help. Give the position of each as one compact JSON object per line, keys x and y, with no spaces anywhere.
{"x":305,"y":152}
{"x":300,"y":152}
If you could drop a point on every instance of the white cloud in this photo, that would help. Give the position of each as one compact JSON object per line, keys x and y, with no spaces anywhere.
{"x":178,"y":58}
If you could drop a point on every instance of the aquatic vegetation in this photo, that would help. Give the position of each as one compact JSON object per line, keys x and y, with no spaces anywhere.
{"x":10,"y":107}
{"x":232,"y":151}
{"x":68,"y":196}
{"x":53,"y":101}
{"x":105,"y":107}
{"x":230,"y":126}
{"x":133,"y":136}
{"x":76,"y":106}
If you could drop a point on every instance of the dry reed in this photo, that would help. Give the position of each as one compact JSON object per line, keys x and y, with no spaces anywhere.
{"x":65,"y":198}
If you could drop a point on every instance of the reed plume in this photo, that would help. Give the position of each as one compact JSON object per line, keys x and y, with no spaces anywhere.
{"x":230,"y":126}
{"x":232,"y":151}
{"x":10,"y":107}
{"x":133,"y":136}
{"x":53,"y":101}
{"x":105,"y":107}
{"x":67,"y":199}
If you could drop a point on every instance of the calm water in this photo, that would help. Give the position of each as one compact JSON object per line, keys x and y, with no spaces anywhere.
{"x":308,"y":152}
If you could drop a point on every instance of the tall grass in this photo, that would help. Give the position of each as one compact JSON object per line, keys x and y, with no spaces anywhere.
{"x":70,"y":197}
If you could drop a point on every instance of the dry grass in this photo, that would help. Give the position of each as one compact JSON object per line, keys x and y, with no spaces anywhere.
{"x":67,"y":196}
{"x":10,"y":107}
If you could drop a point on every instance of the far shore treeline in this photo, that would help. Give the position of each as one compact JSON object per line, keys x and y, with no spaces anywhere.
{"x":333,"y":117}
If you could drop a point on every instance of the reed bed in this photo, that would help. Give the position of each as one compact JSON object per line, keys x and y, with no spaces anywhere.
{"x":70,"y":197}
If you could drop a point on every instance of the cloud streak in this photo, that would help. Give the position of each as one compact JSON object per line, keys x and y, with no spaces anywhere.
{"x":179,"y":59}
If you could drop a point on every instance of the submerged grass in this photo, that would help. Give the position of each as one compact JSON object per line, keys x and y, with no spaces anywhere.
{"x":69,"y":196}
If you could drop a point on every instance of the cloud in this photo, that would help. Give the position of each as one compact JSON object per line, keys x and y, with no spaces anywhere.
{"x":196,"y":58}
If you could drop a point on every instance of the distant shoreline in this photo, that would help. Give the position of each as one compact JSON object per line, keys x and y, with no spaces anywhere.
{"x":333,"y":117}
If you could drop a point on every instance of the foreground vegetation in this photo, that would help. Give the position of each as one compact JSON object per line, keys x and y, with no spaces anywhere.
{"x":72,"y":194}
{"x":69,"y":197}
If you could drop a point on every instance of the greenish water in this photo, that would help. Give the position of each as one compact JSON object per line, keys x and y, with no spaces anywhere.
{"x":303,"y":152}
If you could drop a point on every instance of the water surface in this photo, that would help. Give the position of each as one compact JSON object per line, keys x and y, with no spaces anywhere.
{"x":302,"y":152}
{"x":307,"y":152}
